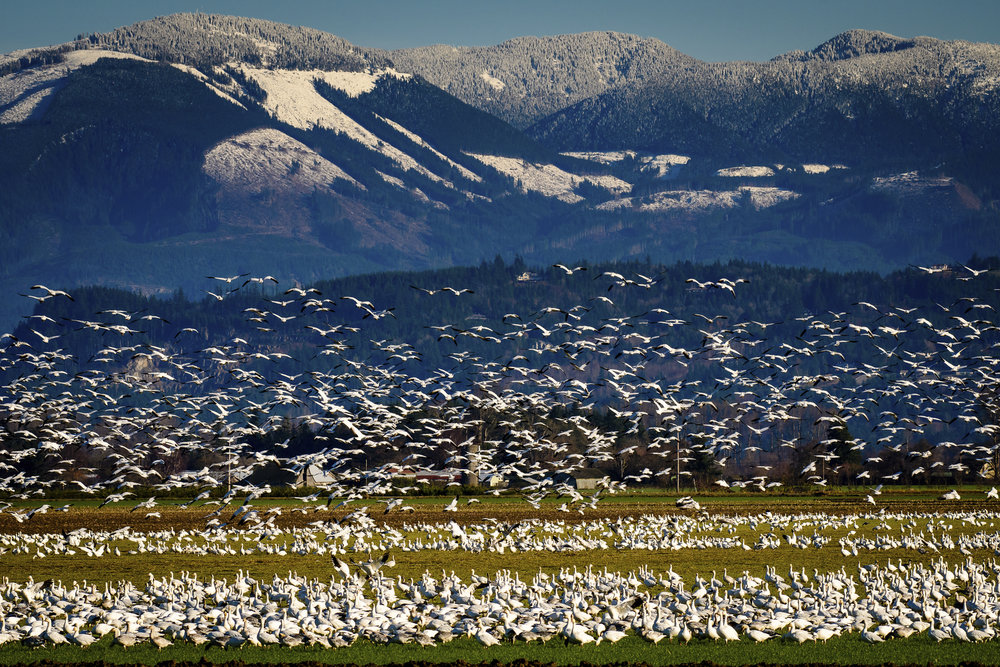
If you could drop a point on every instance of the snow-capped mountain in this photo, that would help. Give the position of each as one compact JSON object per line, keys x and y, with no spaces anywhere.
{"x":193,"y":144}
{"x":862,"y":97}
{"x":528,"y":78}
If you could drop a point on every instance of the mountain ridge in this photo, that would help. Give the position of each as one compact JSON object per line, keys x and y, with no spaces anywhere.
{"x":499,"y":77}
{"x":216,"y":144}
{"x":213,"y":39}
{"x":932,"y":94}
{"x":855,"y":43}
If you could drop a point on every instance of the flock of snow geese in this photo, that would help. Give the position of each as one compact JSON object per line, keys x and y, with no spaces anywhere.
{"x":708,"y":396}
{"x":948,"y":599}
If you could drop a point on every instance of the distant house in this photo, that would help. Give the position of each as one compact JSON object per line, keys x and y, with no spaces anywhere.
{"x":528,"y":277}
{"x":313,"y":475}
{"x":588,"y":478}
{"x":492,"y":480}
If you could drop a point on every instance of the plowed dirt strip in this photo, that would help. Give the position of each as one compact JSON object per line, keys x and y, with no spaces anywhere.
{"x":458,"y":663}
{"x":195,"y":518}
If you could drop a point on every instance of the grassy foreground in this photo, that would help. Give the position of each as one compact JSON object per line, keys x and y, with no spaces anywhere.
{"x":847,"y":650}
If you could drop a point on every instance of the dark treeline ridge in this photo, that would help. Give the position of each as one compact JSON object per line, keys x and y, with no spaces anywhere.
{"x":772,"y":294}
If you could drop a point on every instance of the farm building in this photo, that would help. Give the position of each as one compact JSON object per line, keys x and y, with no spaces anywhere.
{"x":588,"y":478}
{"x":313,"y":476}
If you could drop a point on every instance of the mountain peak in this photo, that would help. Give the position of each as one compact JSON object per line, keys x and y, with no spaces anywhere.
{"x":213,"y":39}
{"x":855,"y":43}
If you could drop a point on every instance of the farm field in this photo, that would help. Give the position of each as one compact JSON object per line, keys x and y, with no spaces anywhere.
{"x":545,"y":585}
{"x":304,"y":368}
{"x":834,"y":473}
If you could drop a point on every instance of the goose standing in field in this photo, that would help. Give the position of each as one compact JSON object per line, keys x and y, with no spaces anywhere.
{"x":821,"y":606}
{"x":612,"y":635}
{"x":726,"y":631}
{"x":572,"y":632}
{"x":758,"y":635}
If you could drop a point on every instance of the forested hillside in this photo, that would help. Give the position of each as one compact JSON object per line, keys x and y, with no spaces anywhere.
{"x":862,"y":98}
{"x":525,"y":79}
{"x":400,"y":309}
{"x":204,"y":40}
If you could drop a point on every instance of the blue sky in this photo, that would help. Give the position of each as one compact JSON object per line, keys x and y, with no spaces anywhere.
{"x":707,"y":29}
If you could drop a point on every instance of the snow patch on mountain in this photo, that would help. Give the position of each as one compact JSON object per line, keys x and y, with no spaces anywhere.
{"x":391,"y":180}
{"x":292,"y":98}
{"x":422,"y":196}
{"x":494,"y":83}
{"x":417,"y":139}
{"x":910,"y":183}
{"x":84,"y":57}
{"x":548,"y":179}
{"x":187,"y":69}
{"x":701,"y":201}
{"x":821,"y":168}
{"x":745,"y":172}
{"x":354,"y":84}
{"x":662,"y":165}
{"x":612,"y":184}
{"x":24,"y":94}
{"x":603,"y":157}
{"x":766,"y":197}
{"x":26,"y":105}
{"x":417,"y":193}
{"x":269,"y":158}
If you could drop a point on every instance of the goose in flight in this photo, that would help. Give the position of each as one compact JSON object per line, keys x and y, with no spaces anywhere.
{"x":568,"y":270}
{"x":45,"y":339}
{"x":228,"y":279}
{"x":49,"y":293}
{"x":452,"y":290}
{"x":260,"y":280}
{"x":340,"y":566}
{"x":975,"y":273}
{"x":52,"y":292}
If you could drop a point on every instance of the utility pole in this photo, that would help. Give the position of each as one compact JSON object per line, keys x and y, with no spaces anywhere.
{"x":678,"y":465}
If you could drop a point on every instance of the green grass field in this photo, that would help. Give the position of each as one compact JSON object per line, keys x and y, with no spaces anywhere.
{"x":849,"y":650}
